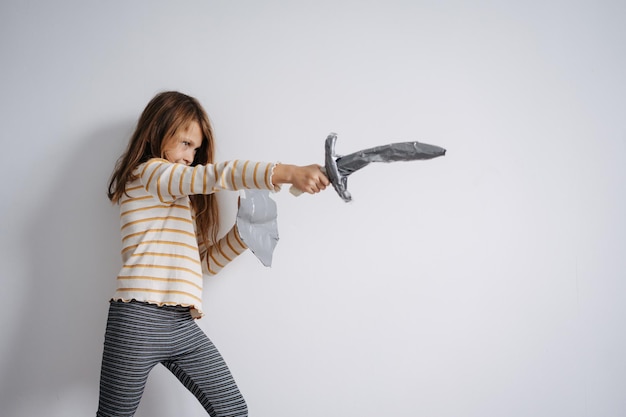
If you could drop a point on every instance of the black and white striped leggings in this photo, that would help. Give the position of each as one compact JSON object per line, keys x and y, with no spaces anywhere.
{"x":139,"y":336}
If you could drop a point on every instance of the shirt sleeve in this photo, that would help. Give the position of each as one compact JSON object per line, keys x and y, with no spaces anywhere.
{"x":221,"y":253}
{"x":169,"y":181}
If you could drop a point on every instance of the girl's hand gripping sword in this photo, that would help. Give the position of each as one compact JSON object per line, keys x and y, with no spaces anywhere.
{"x":338,"y":168}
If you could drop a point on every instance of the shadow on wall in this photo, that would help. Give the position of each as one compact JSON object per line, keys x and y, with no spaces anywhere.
{"x":73,"y":242}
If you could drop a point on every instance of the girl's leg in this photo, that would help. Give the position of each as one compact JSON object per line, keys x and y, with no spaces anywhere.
{"x":131,"y":350}
{"x":201,"y":368}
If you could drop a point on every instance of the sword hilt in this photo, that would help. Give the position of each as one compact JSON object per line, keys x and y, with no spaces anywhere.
{"x":339,"y":182}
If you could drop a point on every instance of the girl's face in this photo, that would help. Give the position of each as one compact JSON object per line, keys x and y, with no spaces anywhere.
{"x":181,"y":148}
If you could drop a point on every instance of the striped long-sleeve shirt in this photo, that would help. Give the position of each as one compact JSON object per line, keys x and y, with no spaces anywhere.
{"x":163,"y":258}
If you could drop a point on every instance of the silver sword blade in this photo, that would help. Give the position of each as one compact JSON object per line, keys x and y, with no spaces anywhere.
{"x":394,"y":152}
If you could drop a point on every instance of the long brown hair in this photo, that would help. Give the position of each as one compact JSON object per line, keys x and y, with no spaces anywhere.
{"x":164,"y":115}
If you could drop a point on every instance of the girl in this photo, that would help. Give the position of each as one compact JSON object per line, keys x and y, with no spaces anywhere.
{"x":164,"y":184}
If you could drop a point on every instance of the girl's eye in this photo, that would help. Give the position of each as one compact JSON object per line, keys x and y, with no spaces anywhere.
{"x":185,"y":143}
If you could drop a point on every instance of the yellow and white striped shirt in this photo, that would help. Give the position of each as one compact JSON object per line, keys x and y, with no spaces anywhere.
{"x":163,"y":258}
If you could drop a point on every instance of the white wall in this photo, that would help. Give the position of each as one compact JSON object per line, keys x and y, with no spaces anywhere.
{"x":487,"y":283}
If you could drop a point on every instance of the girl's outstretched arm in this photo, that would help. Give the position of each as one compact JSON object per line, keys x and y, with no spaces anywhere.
{"x":309,"y":178}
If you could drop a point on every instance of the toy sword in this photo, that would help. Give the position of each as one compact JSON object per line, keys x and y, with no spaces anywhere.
{"x":338,"y":168}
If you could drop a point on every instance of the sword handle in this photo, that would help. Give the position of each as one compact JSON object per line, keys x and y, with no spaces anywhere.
{"x":296,"y":192}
